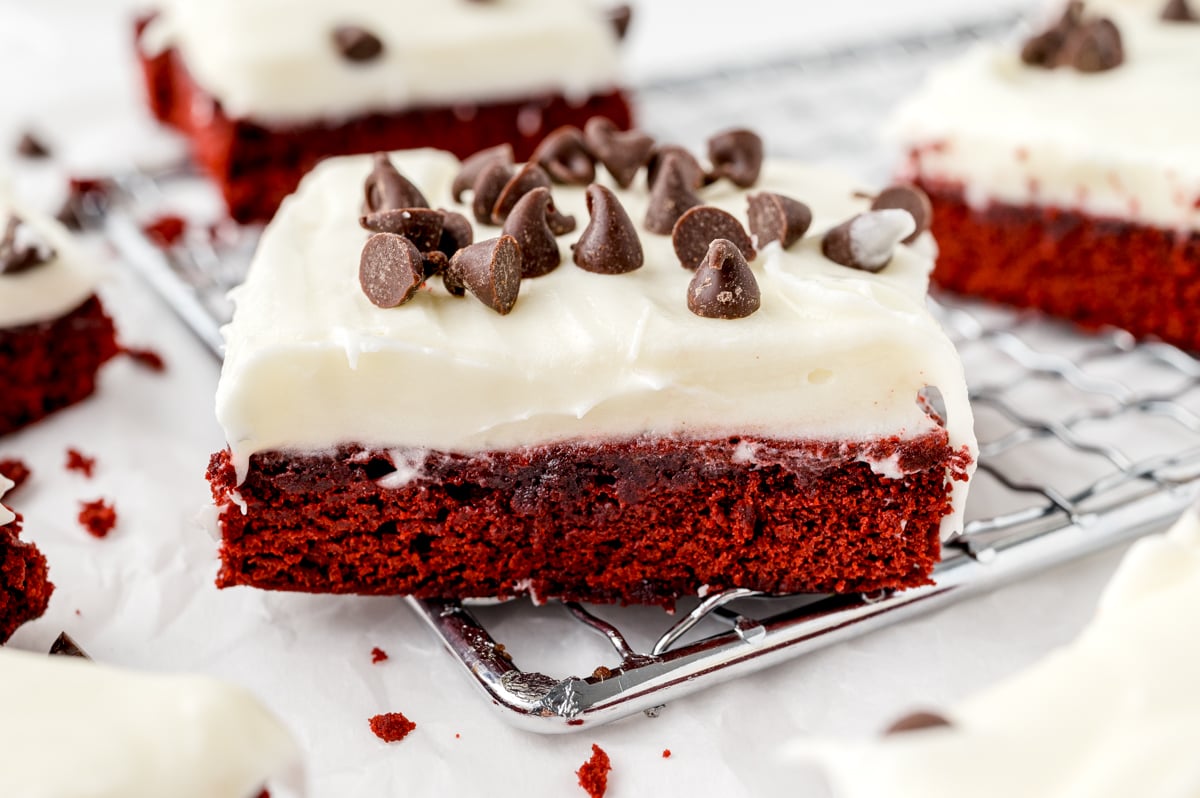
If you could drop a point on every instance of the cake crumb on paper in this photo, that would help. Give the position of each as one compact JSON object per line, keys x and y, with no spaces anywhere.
{"x":378,"y":655}
{"x":593,"y":774}
{"x":97,"y":517}
{"x":78,"y":461}
{"x":391,"y":727}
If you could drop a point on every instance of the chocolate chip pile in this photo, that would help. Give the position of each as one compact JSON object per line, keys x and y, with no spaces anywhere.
{"x":1086,"y":44}
{"x":412,"y":243}
{"x":20,"y":248}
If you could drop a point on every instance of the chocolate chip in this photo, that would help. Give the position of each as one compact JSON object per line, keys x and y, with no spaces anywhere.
{"x":737,"y":155}
{"x":699,"y":227}
{"x":489,"y":184}
{"x":65,"y":646}
{"x":456,"y":233}
{"x":610,"y":243}
{"x":911,"y":199}
{"x":723,"y":287}
{"x":692,"y":172}
{"x":560,"y":223}
{"x":434,"y":262}
{"x":620,"y":17}
{"x":565,"y":157}
{"x":490,"y":270}
{"x":21,"y":249}
{"x":671,"y":195}
{"x":527,"y":178}
{"x":623,"y":153}
{"x":527,"y":224}
{"x":1045,"y":49}
{"x":421,"y":226}
{"x":869,"y":240}
{"x":916,"y":721}
{"x":1096,"y":47}
{"x":774,"y":217}
{"x":386,"y":189}
{"x":1178,"y":11}
{"x":475,"y":164}
{"x":30,"y":146}
{"x":356,"y":44}
{"x":390,"y":270}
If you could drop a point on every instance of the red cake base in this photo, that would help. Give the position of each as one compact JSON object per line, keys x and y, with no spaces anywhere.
{"x":24,"y":587}
{"x":1094,"y":271}
{"x":256,"y":166}
{"x":642,"y":522}
{"x":52,"y":364}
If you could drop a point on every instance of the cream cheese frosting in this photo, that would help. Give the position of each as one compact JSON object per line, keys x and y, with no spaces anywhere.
{"x":51,"y":289}
{"x":1115,"y":713}
{"x":834,"y":354}
{"x":76,"y":729}
{"x":6,"y":515}
{"x":274,"y":60}
{"x":1119,"y":143}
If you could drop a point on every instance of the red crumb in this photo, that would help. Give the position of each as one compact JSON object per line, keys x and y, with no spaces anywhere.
{"x":575,"y":722}
{"x":97,"y":517}
{"x":15,"y":470}
{"x":391,"y":727}
{"x":457,"y":736}
{"x":78,"y":461}
{"x":165,"y":231}
{"x":146,"y":358}
{"x":378,"y":655}
{"x":264,"y":794}
{"x":666,"y":753}
{"x":593,"y":774}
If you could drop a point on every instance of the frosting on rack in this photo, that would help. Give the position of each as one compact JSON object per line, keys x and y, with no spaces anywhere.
{"x":833,"y":354}
{"x":277,"y":60}
{"x":1115,"y":713}
{"x":1119,"y":143}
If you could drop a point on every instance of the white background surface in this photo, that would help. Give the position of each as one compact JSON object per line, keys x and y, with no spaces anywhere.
{"x":144,"y":596}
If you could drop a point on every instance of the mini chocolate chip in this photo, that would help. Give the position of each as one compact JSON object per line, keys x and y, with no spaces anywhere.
{"x":386,"y":189}
{"x":489,"y":184}
{"x":565,"y":157}
{"x":1178,"y":11}
{"x":1095,"y":47}
{"x":390,"y":270}
{"x":723,"y":287}
{"x":916,"y":721}
{"x":911,"y":199}
{"x":65,"y":646}
{"x":620,"y":17}
{"x":1045,"y":49}
{"x":671,"y":195}
{"x":559,"y":223}
{"x":774,"y":217}
{"x":694,"y":174}
{"x":527,"y":224}
{"x":737,"y":155}
{"x":421,"y":226}
{"x":699,"y":227}
{"x":456,"y":233}
{"x":30,"y":146}
{"x":490,"y":270}
{"x":610,"y":243}
{"x":527,"y":178}
{"x":20,"y":256}
{"x":869,"y":240}
{"x":475,"y":164}
{"x":623,"y":153}
{"x":356,"y":44}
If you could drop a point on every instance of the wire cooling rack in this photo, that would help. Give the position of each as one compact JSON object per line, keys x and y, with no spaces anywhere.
{"x":1085,"y":440}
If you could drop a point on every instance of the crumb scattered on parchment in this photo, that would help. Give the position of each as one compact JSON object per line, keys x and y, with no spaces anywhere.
{"x":593,"y":774}
{"x":391,"y":727}
{"x":146,"y":358}
{"x":666,"y":753}
{"x":97,"y":517}
{"x":15,"y":471}
{"x":78,"y":461}
{"x":378,"y":655}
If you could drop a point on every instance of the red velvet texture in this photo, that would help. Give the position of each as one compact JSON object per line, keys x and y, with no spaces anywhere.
{"x":24,"y":587}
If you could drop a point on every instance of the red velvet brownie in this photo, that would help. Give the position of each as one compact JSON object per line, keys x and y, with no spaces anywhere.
{"x":54,"y":333}
{"x":1064,"y":172}
{"x":262,"y":101}
{"x":24,"y":587}
{"x":617,"y":415}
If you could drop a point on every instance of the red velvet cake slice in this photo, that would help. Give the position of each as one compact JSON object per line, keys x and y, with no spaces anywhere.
{"x":266,"y":88}
{"x":614,"y":414}
{"x":24,"y":589}
{"x":54,"y":333}
{"x":1065,"y":171}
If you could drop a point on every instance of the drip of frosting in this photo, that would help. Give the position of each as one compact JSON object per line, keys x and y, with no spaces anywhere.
{"x":1119,"y":143}
{"x":76,"y":729}
{"x":833,"y":354}
{"x":1115,"y":713}
{"x":277,"y":61}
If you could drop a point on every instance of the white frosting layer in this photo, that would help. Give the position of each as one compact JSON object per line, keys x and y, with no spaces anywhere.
{"x":6,"y":515}
{"x":1120,"y":143}
{"x":75,"y":729}
{"x":51,"y":289}
{"x":1114,"y":714}
{"x":833,"y":354}
{"x":274,"y":60}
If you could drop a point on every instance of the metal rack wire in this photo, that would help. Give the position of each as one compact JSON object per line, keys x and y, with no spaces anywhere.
{"x":1086,"y":440}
